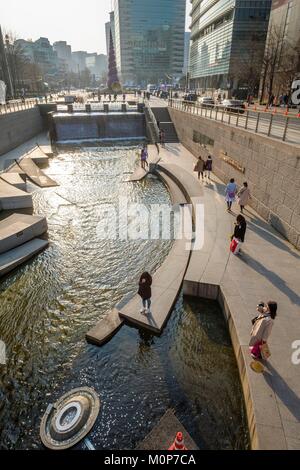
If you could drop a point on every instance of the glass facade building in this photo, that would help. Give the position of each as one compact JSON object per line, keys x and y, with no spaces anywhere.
{"x":149,"y":40}
{"x":222,"y":32}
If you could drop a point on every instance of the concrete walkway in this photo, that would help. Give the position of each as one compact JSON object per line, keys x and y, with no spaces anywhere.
{"x":268,"y":269}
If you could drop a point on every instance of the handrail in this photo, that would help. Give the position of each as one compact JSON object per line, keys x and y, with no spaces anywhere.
{"x":276,"y":125}
{"x":153,"y":119}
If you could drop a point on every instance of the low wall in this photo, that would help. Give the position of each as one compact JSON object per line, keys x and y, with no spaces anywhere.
{"x":271,"y":167}
{"x":99,"y":126}
{"x":16,"y":128}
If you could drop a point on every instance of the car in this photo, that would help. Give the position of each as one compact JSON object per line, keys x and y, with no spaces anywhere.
{"x":207,"y":102}
{"x":233,"y":106}
{"x":190,"y":97}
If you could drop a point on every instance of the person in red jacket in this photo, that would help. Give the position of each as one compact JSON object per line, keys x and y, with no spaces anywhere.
{"x":145,"y":292}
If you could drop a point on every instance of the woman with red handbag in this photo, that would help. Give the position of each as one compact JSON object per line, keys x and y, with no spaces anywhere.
{"x":262,"y":328}
{"x":239,"y":234}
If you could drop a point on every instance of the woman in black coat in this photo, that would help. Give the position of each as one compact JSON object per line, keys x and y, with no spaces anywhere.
{"x":145,"y":292}
{"x":240,"y":229}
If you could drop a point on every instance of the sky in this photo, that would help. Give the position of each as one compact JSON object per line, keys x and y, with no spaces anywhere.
{"x":79,"y":22}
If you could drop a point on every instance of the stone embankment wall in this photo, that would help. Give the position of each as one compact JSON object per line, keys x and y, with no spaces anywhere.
{"x":16,"y":128}
{"x":271,"y":167}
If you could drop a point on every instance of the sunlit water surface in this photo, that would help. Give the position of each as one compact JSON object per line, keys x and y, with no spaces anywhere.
{"x":48,"y":305}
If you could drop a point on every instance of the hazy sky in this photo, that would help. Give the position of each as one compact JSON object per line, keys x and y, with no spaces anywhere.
{"x":79,"y":22}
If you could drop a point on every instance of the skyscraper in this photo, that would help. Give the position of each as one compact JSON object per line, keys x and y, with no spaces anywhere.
{"x":227,"y":42}
{"x":149,"y":40}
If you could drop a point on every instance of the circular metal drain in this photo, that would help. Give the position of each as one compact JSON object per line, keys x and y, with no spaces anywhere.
{"x":70,"y":419}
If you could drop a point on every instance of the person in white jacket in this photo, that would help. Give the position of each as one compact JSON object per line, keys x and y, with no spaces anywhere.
{"x":262,"y":328}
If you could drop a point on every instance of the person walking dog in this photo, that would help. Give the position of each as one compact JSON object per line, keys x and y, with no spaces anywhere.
{"x":145,"y":292}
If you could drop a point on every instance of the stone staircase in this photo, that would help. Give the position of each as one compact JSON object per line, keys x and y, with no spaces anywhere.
{"x":165,"y":122}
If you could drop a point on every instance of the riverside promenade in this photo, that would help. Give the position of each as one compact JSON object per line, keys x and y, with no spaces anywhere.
{"x":268,"y":269}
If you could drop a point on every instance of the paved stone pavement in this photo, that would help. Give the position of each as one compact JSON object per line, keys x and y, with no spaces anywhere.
{"x":268,"y":269}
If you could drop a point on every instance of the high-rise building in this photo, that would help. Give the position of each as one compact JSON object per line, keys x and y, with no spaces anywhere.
{"x":187,"y":41}
{"x":79,"y":61}
{"x":40,"y":52}
{"x":97,"y":65}
{"x":149,"y":40}
{"x":227,"y":40}
{"x":64,"y":54}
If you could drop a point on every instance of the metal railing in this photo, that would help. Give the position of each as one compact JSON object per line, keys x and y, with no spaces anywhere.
{"x":152,"y":119}
{"x":277,"y":125}
{"x":19,"y":105}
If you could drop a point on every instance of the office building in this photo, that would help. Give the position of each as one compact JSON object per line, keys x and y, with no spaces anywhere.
{"x":226,"y":36}
{"x":64,"y":54}
{"x":149,"y":40}
{"x":187,"y":41}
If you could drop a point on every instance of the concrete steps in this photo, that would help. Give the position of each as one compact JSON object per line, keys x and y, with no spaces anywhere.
{"x":36,"y":175}
{"x":19,"y":255}
{"x":19,"y":229}
{"x":12,"y":198}
{"x":15,"y":180}
{"x":162,"y":116}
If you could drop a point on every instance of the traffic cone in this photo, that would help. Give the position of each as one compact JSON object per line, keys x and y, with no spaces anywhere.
{"x":255,"y":109}
{"x":287,"y":112}
{"x":266,"y":109}
{"x":275,"y":111}
{"x":298,"y":115}
{"x":178,"y":444}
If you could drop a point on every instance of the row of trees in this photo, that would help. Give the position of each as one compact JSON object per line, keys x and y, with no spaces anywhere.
{"x":268,"y":71}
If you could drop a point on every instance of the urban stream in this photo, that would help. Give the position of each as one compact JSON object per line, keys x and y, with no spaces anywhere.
{"x":48,"y":305}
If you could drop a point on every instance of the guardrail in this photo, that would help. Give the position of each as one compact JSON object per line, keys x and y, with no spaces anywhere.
{"x":153,"y":120}
{"x":275,"y":125}
{"x":14,"y":106}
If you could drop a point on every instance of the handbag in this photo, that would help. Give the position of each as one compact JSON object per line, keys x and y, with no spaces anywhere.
{"x":265,"y":351}
{"x":234,"y":245}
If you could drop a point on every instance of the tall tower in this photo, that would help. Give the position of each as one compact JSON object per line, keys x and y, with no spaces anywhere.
{"x":113,"y":82}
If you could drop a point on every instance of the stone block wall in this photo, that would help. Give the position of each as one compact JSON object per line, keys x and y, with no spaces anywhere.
{"x":272,"y":167}
{"x":16,"y":128}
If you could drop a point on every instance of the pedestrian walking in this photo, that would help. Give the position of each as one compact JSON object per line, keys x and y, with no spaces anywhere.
{"x":244,"y":196}
{"x":145,"y":292}
{"x":238,"y":236}
{"x":208,"y":167}
{"x":162,"y":137}
{"x":230,"y":193}
{"x":262,"y":327}
{"x":124,"y":97}
{"x":199,"y":168}
{"x":144,"y":157}
{"x":109,"y":97}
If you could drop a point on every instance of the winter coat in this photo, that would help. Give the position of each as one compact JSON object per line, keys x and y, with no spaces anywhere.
{"x":240,"y":231}
{"x":208,"y":165}
{"x":261,"y":329}
{"x":230,"y":192}
{"x":244,"y":196}
{"x":145,"y":287}
{"x":199,"y":166}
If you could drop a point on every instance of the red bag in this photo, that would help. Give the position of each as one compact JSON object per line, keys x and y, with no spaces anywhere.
{"x":234,"y":245}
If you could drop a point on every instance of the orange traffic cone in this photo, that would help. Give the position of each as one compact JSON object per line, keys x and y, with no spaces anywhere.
{"x":275,"y":111}
{"x":178,"y":444}
{"x":255,"y":108}
{"x":298,"y":115}
{"x":287,"y":112}
{"x":266,"y":108}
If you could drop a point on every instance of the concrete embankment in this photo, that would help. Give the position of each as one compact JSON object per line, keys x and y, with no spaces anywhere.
{"x":271,"y":167}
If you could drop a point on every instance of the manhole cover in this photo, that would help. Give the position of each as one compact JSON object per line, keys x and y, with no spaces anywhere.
{"x":70,"y":419}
